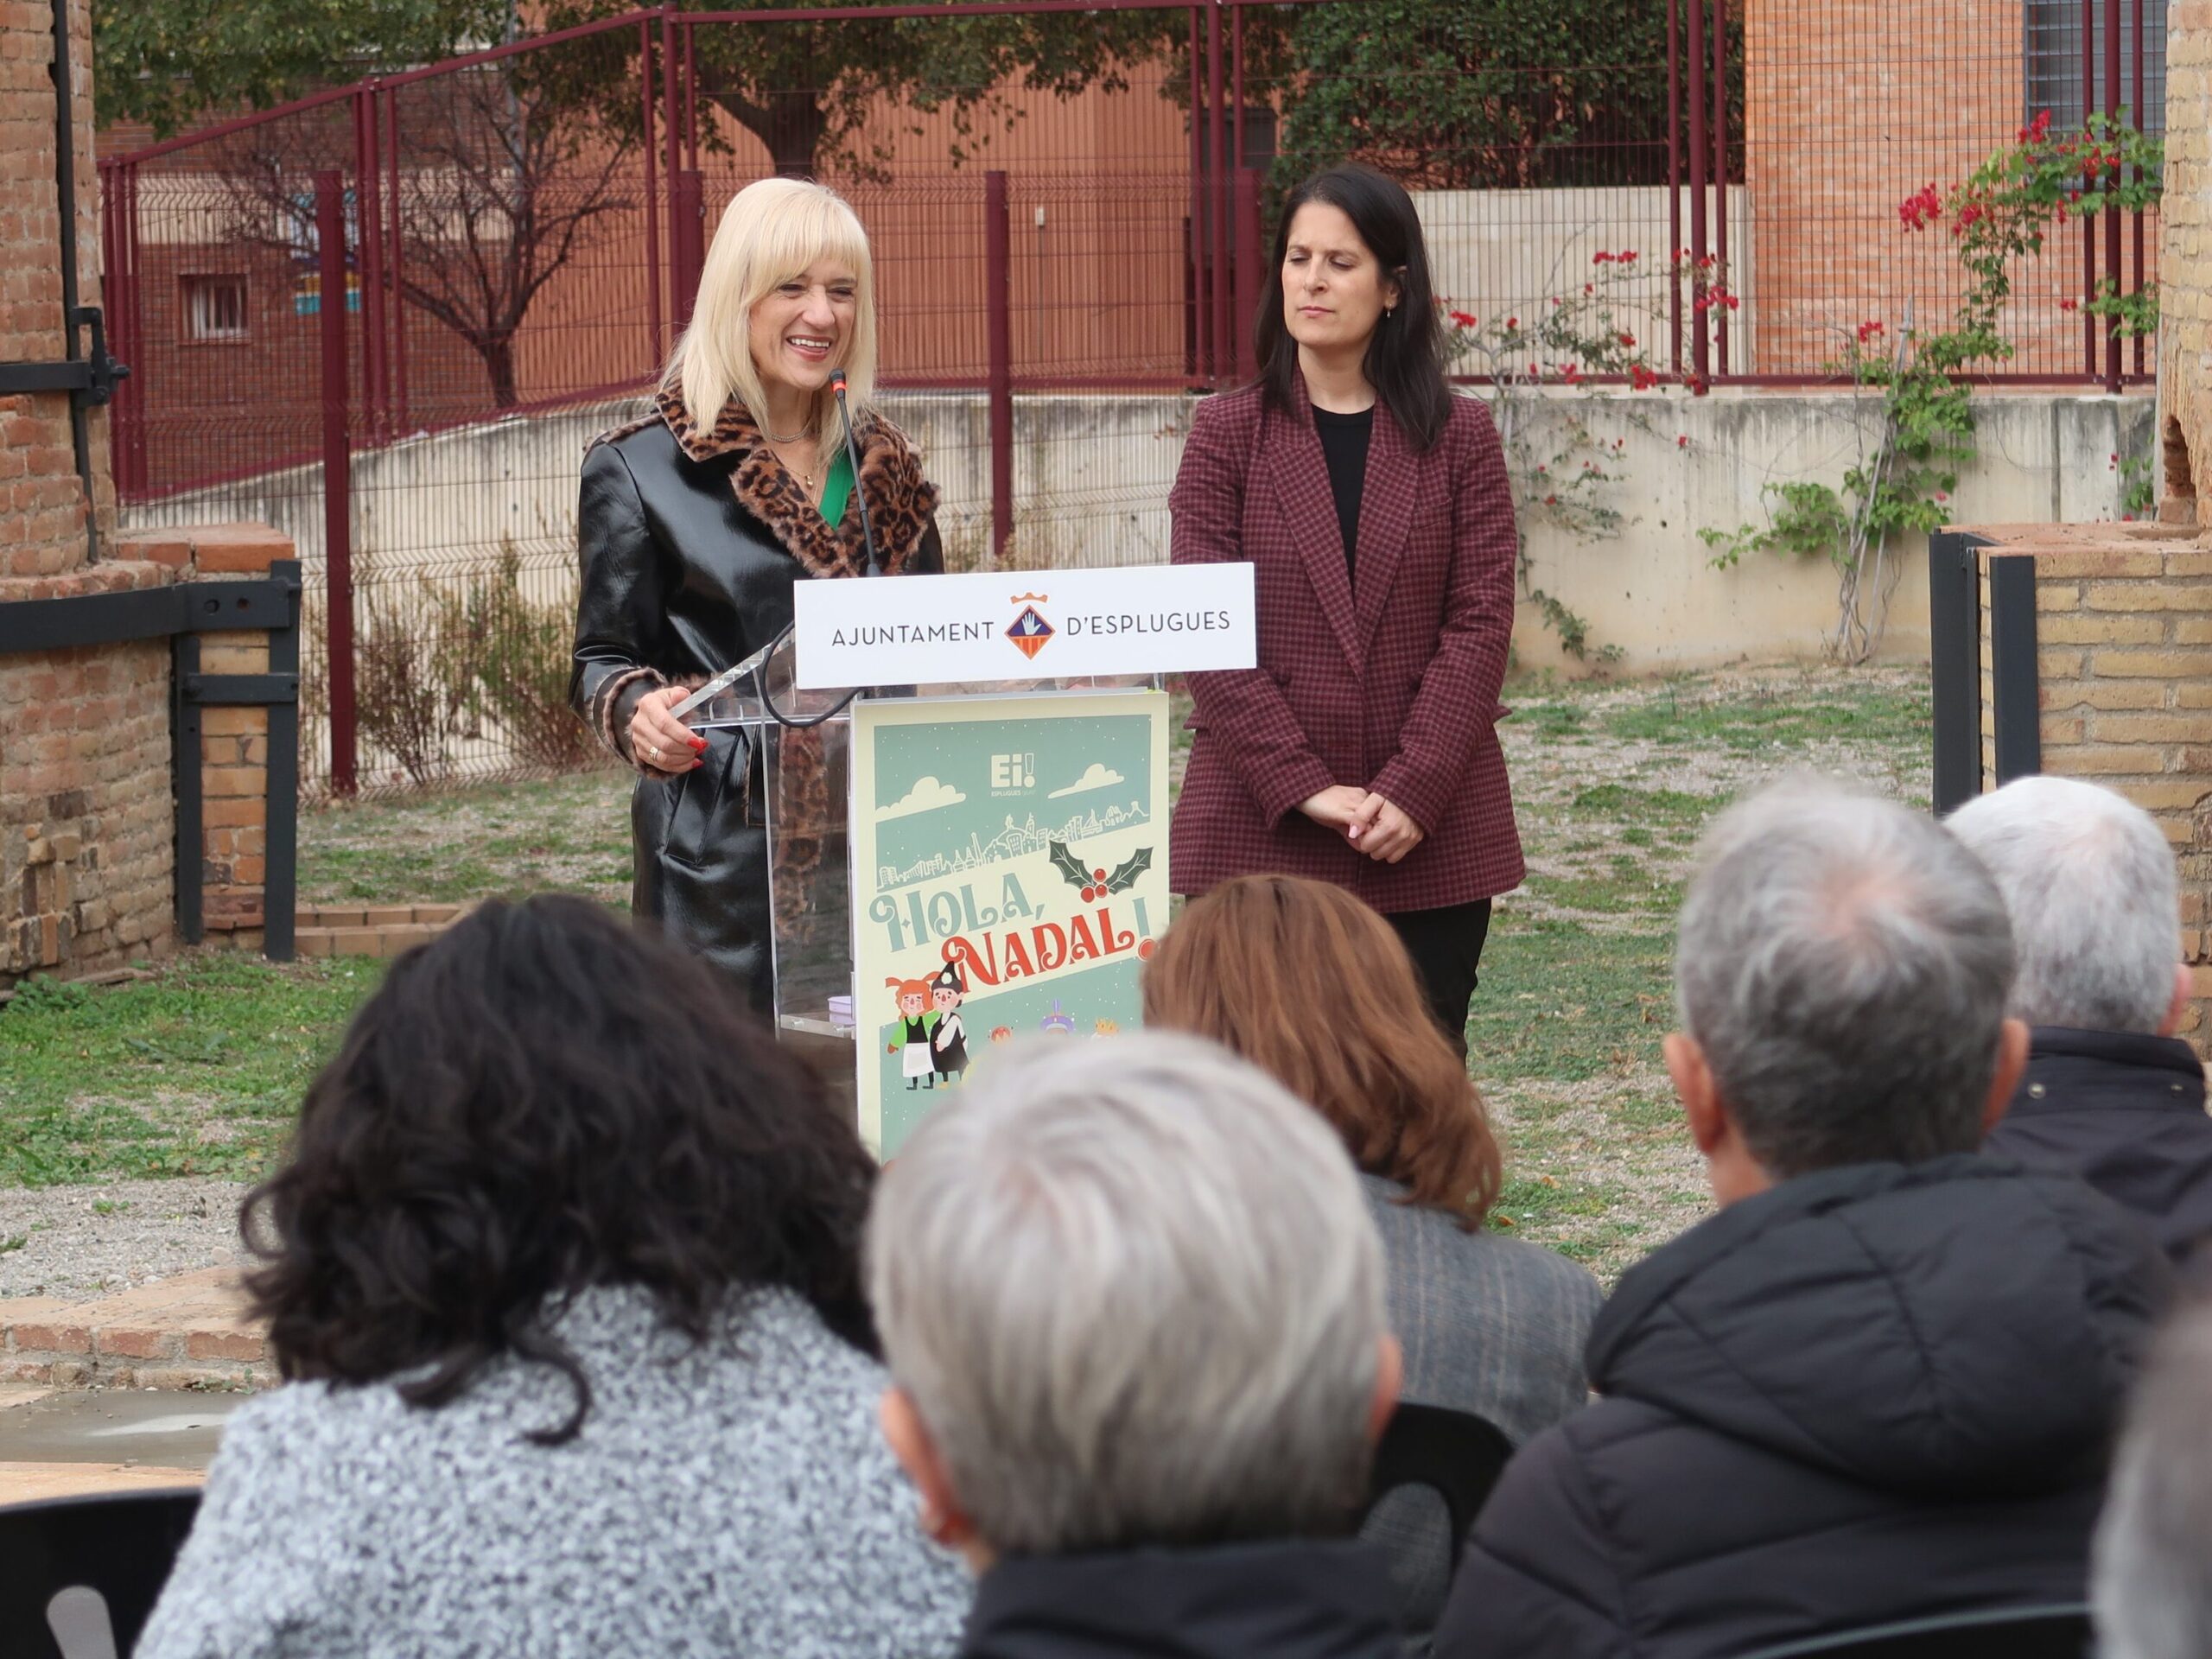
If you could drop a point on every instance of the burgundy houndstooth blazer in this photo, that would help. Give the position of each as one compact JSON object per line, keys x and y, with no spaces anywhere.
{"x":1393,"y":687}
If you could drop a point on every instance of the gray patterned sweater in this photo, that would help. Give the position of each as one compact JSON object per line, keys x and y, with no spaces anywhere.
{"x":732,"y":1499}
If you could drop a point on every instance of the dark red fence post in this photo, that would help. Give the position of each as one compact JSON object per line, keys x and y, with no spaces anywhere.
{"x":368,"y":151}
{"x":2112,"y":214}
{"x":1674,"y":185}
{"x":1217,"y":192}
{"x":1720,"y":313}
{"x":2135,"y":105}
{"x":337,"y":475}
{"x":654,"y":350}
{"x":2089,"y":179}
{"x":998,"y":299}
{"x":1251,"y":259}
{"x":1701,"y":362}
{"x":687,"y":252}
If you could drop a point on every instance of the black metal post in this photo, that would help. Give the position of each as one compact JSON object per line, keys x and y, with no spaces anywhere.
{"x":1954,"y":667}
{"x":185,"y":753}
{"x":281,"y":819}
{"x":2014,"y":692}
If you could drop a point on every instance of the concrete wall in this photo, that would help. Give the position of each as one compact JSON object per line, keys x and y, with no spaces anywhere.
{"x":1092,"y":476}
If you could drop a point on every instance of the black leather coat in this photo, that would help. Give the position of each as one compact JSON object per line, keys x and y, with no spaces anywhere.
{"x":689,"y":542}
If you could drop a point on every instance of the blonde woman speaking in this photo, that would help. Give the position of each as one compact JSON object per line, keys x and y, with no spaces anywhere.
{"x":696,"y":522}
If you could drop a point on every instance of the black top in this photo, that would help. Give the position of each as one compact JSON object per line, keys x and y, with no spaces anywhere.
{"x":1295,"y":1600}
{"x":1343,"y":446}
{"x":1869,"y":1394}
{"x":2124,"y":1112}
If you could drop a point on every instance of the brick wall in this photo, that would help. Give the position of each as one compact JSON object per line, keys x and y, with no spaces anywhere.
{"x":2185,"y":296}
{"x":41,"y":503}
{"x":87,"y":816}
{"x":2124,"y":661}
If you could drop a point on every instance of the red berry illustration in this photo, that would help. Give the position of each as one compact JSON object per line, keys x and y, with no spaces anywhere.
{"x":1098,"y":875}
{"x":1090,"y":893}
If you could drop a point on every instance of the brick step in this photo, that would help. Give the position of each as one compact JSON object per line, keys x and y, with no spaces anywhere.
{"x":191,"y":1331}
{"x":370,"y":931}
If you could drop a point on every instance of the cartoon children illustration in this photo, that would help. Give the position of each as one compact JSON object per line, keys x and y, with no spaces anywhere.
{"x":916,"y":1023}
{"x":1057,"y":1024}
{"x":949,"y":1042}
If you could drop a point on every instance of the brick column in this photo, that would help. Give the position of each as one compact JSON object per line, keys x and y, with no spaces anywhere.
{"x":234,"y":741}
{"x":2124,"y":666}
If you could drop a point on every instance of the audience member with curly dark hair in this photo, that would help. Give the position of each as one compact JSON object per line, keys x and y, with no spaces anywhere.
{"x":563,"y":1263}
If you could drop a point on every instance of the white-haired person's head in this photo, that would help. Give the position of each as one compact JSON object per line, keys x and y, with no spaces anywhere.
{"x":2150,"y":1577}
{"x":1841,"y":968}
{"x":2094,"y":899}
{"x":1130,"y":1296}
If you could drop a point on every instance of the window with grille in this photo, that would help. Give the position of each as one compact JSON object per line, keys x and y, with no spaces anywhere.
{"x":2054,"y":59}
{"x":214,"y":308}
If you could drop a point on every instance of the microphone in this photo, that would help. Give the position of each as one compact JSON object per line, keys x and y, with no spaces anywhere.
{"x":852,"y":455}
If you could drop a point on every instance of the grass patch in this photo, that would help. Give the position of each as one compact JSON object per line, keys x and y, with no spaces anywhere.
{"x":1561,"y":1003}
{"x":571,"y":833}
{"x":196,"y":1072}
{"x":1765,"y":719}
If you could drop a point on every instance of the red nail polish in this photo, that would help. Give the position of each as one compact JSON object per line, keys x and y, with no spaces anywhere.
{"x":699,"y":744}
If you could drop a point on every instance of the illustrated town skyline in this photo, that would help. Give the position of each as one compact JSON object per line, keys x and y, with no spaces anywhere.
{"x":1015,"y":840}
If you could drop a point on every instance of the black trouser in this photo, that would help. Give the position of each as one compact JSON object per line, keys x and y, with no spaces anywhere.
{"x":1447,"y":946}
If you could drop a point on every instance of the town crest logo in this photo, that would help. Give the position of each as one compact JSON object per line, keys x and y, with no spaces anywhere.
{"x":1030,"y":630}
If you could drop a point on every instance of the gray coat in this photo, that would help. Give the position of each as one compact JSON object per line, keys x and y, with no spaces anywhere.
{"x":736,"y":1498}
{"x":1489,"y":1325}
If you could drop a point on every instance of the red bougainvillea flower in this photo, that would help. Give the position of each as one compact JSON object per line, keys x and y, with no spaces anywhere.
{"x":1551,"y":500}
{"x":1868,"y":329}
{"x":1513,"y":322}
{"x":1628,"y":342}
{"x":1601,"y":259}
{"x":2037,"y":129}
{"x":2069,"y":305}
{"x":1573,"y":374}
{"x":1628,"y":258}
{"x":1922,"y":209}
{"x":1463,"y":319}
{"x":1941,"y":496}
{"x":1683,"y":441}
{"x":1640,"y":378}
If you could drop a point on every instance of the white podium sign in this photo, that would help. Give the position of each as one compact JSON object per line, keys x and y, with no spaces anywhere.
{"x":1020,"y":625}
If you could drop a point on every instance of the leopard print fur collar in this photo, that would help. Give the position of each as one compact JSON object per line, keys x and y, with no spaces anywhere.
{"x":900,"y":501}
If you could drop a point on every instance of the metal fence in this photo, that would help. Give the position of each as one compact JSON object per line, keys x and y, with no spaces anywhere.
{"x":432,"y":288}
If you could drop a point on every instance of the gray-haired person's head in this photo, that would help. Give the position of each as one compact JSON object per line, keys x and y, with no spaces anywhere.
{"x":1132,"y":1292}
{"x":1843,"y":964}
{"x":2094,"y":899}
{"x":2151,"y":1568}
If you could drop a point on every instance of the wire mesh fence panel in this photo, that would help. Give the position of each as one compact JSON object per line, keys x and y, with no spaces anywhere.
{"x":1070,"y":213}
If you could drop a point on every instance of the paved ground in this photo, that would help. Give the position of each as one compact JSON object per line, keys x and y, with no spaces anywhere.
{"x":65,"y":1443}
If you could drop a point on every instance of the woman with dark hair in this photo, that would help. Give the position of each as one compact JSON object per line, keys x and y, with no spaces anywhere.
{"x":1311,"y":986}
{"x":1374,"y":506}
{"x":563,"y":1273}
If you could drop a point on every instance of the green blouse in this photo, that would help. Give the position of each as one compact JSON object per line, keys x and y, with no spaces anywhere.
{"x":838,"y":488}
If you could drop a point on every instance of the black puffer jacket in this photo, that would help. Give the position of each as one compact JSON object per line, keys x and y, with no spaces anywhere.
{"x":2124,"y":1112}
{"x":1297,"y":1600}
{"x":690,"y":542}
{"x":1869,"y":1394}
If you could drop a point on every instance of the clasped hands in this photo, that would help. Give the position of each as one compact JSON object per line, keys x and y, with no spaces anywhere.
{"x":1371,"y":824}
{"x":662,"y":743}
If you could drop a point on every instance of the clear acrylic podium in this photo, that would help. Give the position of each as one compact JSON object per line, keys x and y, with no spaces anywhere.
{"x":803,"y":742}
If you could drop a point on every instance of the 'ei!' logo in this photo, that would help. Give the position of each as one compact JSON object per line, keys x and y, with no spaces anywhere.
{"x":1029,"y":631}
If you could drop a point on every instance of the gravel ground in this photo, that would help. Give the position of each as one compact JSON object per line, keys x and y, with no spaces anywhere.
{"x":81,"y":1242}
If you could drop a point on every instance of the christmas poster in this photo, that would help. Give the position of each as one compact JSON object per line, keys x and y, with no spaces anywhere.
{"x":1010,"y":876}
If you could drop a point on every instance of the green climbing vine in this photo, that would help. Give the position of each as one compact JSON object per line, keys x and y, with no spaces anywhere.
{"x":1998,"y":217}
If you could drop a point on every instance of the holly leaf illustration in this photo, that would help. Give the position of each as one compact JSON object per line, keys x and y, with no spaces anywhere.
{"x":1065,"y":862}
{"x":1127,"y":872}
